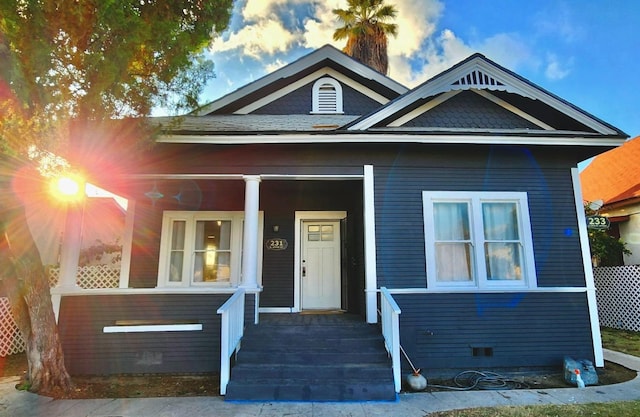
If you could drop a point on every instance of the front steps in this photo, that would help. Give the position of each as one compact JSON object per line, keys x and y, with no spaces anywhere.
{"x":308,"y":357}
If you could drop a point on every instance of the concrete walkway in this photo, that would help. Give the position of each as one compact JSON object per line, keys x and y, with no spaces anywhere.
{"x":23,"y":404}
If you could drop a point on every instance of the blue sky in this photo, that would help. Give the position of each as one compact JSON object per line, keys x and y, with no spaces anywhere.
{"x":585,"y":51}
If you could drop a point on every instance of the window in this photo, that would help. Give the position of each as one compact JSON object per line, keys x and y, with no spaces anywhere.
{"x":200,"y":248}
{"x":327,"y":96}
{"x":478,"y":240}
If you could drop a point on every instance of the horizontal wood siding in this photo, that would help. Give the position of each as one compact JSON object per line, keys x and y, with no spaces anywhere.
{"x":90,"y":351}
{"x":438,"y":331}
{"x":400,"y":223}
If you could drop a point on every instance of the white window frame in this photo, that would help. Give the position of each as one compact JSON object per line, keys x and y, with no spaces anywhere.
{"x":475,"y":200}
{"x":316,"y":106}
{"x":190,"y":218}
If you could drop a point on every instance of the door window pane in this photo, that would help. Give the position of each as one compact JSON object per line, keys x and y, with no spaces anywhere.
{"x":327,"y":233}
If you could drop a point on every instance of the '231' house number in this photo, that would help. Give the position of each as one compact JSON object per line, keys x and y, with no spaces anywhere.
{"x":276,"y":244}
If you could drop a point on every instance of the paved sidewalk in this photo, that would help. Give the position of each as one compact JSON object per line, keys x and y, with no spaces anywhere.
{"x":23,"y":404}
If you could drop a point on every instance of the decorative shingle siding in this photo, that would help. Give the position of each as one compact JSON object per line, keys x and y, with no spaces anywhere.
{"x":469,"y":110}
{"x":523,"y":329}
{"x":90,"y":351}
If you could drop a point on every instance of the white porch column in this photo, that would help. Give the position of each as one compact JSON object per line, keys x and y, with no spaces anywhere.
{"x":370,"y":264}
{"x":127,"y":242}
{"x":71,"y":243}
{"x":250,"y":238}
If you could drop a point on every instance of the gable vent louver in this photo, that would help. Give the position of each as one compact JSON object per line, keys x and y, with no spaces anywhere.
{"x":327,"y":99}
{"x":478,"y":79}
{"x":327,"y":96}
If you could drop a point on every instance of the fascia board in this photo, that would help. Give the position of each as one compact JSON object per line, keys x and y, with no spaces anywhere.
{"x":586,"y":141}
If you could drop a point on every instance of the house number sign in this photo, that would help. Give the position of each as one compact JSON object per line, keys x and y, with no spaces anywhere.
{"x":276,"y":244}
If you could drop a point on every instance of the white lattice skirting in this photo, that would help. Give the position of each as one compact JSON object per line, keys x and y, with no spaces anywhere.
{"x":618,"y":296}
{"x":98,"y":276}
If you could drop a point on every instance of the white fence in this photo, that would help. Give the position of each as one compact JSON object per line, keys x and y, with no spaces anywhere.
{"x":98,"y":276}
{"x":618,"y":296}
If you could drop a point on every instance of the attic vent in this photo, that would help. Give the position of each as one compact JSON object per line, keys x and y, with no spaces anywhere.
{"x":478,"y":79}
{"x":327,"y":96}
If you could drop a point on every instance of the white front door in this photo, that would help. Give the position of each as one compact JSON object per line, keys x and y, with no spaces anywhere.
{"x":320,"y":265}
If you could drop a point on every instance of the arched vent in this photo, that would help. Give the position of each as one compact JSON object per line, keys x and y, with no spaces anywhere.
{"x":327,"y":96}
{"x":478,"y":79}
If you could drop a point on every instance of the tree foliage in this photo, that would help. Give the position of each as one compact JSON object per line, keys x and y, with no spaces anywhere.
{"x":606,"y":250}
{"x":366,"y":26}
{"x":68,"y":69}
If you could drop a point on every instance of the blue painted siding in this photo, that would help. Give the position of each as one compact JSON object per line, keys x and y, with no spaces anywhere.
{"x":399,"y":217}
{"x":89,"y":351}
{"x":524,"y":329}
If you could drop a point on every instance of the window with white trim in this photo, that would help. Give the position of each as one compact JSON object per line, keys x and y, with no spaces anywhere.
{"x":200,"y":248}
{"x":327,"y":96}
{"x":478,"y":240}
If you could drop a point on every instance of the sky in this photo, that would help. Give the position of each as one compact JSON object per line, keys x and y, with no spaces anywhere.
{"x":585,"y":51}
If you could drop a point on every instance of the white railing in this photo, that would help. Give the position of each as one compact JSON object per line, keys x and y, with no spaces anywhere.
{"x":390,"y":317}
{"x":231,"y":332}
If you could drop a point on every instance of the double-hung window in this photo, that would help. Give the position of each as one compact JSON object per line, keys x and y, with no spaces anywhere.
{"x":478,"y":240}
{"x":200,"y":248}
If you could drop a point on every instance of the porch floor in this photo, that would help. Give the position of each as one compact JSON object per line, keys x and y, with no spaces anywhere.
{"x":312,"y":357}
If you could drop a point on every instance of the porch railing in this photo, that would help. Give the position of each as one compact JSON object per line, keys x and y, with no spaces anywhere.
{"x":231,"y":332}
{"x":390,"y":317}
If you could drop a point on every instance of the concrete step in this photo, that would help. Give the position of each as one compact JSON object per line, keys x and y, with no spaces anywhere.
{"x":302,"y":358}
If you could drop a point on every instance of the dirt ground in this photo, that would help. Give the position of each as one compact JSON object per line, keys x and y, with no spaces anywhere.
{"x":132,"y":386}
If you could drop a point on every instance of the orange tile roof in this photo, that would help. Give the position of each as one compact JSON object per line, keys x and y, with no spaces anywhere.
{"x":614,"y":175}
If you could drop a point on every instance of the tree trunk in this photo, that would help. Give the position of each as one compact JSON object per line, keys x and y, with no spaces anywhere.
{"x":25,"y":283}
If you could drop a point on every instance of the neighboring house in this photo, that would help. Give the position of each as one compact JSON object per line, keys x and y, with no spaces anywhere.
{"x":322,"y":182}
{"x":613,"y":179}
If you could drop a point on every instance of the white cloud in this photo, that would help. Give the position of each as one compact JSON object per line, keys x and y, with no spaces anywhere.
{"x":255,"y":40}
{"x":559,"y":23}
{"x":416,"y":20}
{"x":556,"y":70}
{"x":509,"y":50}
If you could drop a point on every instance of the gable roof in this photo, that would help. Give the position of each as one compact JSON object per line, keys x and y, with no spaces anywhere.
{"x":495,"y":83}
{"x":476,"y":101}
{"x":326,"y":59}
{"x":613,"y":176}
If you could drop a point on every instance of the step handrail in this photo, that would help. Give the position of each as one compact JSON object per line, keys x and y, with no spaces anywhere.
{"x":390,"y":318}
{"x":231,"y":333}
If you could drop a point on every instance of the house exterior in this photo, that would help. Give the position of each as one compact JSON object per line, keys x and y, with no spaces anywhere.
{"x":612,"y":180}
{"x":322,"y":182}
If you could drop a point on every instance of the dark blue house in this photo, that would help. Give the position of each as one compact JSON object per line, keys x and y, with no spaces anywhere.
{"x":319,"y":184}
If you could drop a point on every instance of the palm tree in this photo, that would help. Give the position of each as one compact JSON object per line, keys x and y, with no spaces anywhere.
{"x":366,"y":26}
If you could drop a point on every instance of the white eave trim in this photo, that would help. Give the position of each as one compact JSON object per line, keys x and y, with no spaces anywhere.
{"x":393,"y":138}
{"x":307,"y":80}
